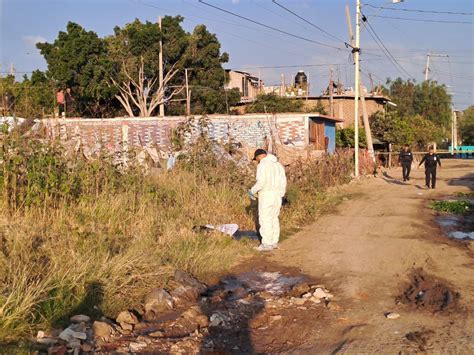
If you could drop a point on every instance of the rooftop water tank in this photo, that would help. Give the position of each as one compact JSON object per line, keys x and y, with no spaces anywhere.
{"x":301,"y":79}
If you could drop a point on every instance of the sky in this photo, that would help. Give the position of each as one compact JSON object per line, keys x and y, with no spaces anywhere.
{"x":267,"y":52}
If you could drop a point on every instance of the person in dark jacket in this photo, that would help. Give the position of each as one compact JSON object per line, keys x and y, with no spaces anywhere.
{"x":405,"y":159}
{"x":431,"y":160}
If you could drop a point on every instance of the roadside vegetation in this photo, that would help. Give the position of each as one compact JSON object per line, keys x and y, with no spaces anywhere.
{"x":88,"y":236}
{"x":452,"y":206}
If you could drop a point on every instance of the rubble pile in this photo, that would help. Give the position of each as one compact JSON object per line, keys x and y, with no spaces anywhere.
{"x":193,"y":317}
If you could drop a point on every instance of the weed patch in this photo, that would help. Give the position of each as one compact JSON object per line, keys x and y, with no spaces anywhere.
{"x":452,"y":206}
{"x":80,"y":236}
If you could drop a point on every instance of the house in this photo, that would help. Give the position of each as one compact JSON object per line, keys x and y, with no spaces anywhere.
{"x":343,"y":105}
{"x":322,"y":132}
{"x":249,"y":86}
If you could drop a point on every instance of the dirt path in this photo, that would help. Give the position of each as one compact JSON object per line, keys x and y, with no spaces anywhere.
{"x":365,"y":251}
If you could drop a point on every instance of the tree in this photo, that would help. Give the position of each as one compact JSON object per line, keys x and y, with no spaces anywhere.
{"x":198,"y":51}
{"x":345,"y":138}
{"x":467,"y":126}
{"x":78,"y":60}
{"x":428,"y":99}
{"x":274,"y":103}
{"x":413,"y":130}
{"x":143,"y":93}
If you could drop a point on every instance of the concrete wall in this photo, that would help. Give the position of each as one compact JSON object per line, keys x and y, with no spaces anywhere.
{"x":112,"y":134}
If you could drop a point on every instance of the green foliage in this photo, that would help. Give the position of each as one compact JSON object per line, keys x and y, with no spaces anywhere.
{"x":29,"y":98}
{"x":35,"y":174}
{"x":85,"y":63}
{"x":78,"y":60}
{"x":452,"y":206}
{"x":427,"y":99}
{"x":345,"y":137}
{"x":413,"y":130}
{"x":466,"y":126}
{"x":273,"y":103}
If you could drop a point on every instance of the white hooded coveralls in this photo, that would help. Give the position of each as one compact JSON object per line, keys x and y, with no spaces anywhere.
{"x":270,"y":187}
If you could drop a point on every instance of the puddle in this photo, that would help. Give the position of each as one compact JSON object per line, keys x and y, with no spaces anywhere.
{"x":458,"y":227}
{"x":462,"y":235}
{"x":274,"y":283}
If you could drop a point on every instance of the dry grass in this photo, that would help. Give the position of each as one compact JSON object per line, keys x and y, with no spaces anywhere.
{"x":97,"y":250}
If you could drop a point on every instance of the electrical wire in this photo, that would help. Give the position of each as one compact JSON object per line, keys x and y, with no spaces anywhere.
{"x":423,"y":20}
{"x":312,"y":24}
{"x":269,"y":27}
{"x":293,"y":66}
{"x":384,"y":49}
{"x":422,"y":11}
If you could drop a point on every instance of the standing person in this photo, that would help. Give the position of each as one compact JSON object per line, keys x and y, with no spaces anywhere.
{"x":431,"y":160}
{"x":405,"y":159}
{"x":270,"y":188}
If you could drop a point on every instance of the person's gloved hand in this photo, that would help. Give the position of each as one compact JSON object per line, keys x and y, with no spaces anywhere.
{"x":251,"y":195}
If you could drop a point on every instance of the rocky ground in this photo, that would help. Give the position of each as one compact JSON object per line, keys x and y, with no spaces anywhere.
{"x":376,"y":276}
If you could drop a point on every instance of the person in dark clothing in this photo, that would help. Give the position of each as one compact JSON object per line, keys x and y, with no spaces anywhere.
{"x":431,"y":160}
{"x":405,"y":159}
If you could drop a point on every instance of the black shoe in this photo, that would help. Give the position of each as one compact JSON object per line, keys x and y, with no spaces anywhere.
{"x":404,"y":179}
{"x":427,"y":186}
{"x":432,"y":187}
{"x":408,"y":178}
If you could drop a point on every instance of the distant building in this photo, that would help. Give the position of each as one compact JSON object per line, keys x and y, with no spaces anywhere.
{"x":249,"y":86}
{"x":343,"y":105}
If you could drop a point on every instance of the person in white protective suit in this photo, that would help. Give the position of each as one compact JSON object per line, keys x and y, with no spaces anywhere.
{"x":270,"y":189}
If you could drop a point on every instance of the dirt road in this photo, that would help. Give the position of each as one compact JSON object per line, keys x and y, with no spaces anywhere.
{"x":364,"y":253}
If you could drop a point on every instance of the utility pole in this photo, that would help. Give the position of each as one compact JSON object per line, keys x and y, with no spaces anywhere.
{"x":427,"y":68}
{"x":331,"y":94}
{"x":356,"y":51}
{"x":188,"y":99}
{"x":432,"y":55}
{"x":160,"y":59}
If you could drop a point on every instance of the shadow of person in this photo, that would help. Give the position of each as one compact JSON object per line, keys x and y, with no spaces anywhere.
{"x":230,"y":307}
{"x":252,"y":209}
{"x":90,"y":305}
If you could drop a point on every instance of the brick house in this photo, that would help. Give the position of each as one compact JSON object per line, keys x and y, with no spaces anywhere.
{"x":344,"y":105}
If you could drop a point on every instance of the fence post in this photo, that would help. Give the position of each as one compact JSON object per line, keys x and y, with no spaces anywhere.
{"x":389,"y":155}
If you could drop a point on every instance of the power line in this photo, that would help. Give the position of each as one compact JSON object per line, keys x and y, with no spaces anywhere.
{"x":269,"y":27}
{"x":382,"y":46}
{"x":293,"y":66}
{"x":224,"y":22}
{"x":422,"y":11}
{"x":423,"y":20}
{"x":312,"y":24}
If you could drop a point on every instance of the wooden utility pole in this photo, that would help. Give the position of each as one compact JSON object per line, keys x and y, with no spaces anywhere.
{"x":160,"y":59}
{"x":356,"y":89}
{"x":331,"y":95}
{"x":188,"y":98}
{"x":365,"y":117}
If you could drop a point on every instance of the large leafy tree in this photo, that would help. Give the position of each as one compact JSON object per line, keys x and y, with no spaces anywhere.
{"x":78,"y":60}
{"x":467,"y":126}
{"x":199,"y":52}
{"x":428,"y":99}
{"x":413,"y":130}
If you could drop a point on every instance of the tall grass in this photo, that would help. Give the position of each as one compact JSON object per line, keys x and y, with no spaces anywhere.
{"x":80,"y":236}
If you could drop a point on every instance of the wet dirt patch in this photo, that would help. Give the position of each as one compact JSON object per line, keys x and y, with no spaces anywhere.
{"x":429,"y":293}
